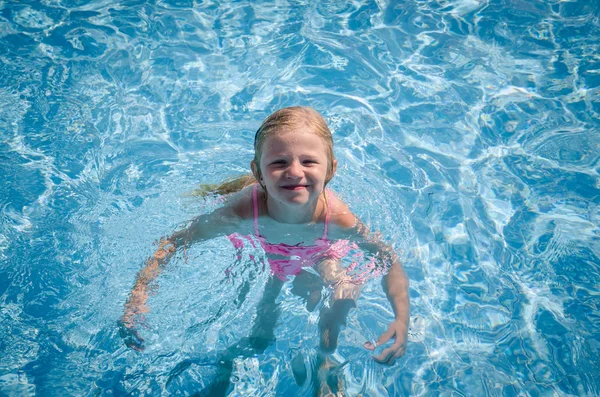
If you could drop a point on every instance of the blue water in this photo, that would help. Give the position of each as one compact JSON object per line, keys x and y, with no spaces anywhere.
{"x":467,"y":132}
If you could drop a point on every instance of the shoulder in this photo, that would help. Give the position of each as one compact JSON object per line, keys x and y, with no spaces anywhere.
{"x":340,"y":212}
{"x":241,"y":203}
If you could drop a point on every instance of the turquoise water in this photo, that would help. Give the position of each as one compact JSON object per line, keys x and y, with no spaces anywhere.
{"x":467,"y":132}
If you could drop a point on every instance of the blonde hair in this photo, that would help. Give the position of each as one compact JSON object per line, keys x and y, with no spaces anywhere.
{"x":282,"y":120}
{"x":287,"y":119}
{"x":230,"y":185}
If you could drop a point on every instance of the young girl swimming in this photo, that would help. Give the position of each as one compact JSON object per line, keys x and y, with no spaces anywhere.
{"x":286,"y":197}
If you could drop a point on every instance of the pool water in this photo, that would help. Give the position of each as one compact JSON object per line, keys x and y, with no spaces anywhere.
{"x":467,"y":132}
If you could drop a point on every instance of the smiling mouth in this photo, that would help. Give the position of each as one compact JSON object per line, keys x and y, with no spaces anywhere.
{"x":294,"y":187}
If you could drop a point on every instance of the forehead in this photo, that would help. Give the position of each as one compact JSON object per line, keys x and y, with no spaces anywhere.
{"x":297,"y":140}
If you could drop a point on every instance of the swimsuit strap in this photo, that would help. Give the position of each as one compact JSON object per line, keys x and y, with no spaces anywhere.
{"x":255,"y":203}
{"x":327,"y":214}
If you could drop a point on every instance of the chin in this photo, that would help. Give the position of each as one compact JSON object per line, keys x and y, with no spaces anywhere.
{"x":298,"y":202}
{"x":299,"y":198}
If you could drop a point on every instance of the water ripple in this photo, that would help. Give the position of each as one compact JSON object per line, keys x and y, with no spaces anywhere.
{"x":475,"y":122}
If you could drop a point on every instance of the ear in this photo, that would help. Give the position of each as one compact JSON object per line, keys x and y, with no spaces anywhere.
{"x":255,"y":170}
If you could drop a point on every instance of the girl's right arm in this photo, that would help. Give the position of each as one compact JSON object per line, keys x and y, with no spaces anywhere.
{"x":222,"y":221}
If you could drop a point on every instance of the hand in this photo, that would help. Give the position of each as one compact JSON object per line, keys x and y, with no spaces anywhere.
{"x":132,"y":318}
{"x":130,"y":335}
{"x":398,"y":330}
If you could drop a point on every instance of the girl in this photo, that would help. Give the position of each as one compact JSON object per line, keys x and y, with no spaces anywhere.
{"x":286,"y":209}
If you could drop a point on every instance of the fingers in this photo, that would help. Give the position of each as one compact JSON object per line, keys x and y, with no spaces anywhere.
{"x":131,"y":337}
{"x":391,"y":354}
{"x":134,"y":341}
{"x":386,"y":336}
{"x":370,"y":345}
{"x":381,"y":340}
{"x":134,"y":344}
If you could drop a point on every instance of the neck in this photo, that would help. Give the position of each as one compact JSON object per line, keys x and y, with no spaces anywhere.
{"x":297,"y":214}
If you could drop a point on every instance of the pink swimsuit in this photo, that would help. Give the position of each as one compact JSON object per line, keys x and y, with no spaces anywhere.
{"x":295,"y":257}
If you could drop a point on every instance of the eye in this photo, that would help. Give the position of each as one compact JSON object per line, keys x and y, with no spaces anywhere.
{"x":310,"y":161}
{"x":278,"y":162}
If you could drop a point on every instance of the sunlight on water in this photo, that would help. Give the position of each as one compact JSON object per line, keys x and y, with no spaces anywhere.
{"x":467,"y":133}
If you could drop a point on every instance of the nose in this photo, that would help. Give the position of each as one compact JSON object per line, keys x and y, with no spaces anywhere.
{"x":294,"y":170}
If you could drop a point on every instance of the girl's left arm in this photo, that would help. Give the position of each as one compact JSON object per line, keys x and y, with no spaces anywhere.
{"x":394,"y":283}
{"x":395,"y":286}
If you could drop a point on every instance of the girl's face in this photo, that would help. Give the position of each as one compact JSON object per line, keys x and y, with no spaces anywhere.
{"x":294,"y":166}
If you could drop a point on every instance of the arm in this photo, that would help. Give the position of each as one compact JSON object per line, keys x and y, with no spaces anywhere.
{"x":395,"y":286}
{"x":394,"y":283}
{"x":136,"y":303}
{"x":222,"y":221}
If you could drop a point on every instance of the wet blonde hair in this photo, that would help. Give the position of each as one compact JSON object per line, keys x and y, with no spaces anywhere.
{"x":289,"y":119}
{"x":281,"y":121}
